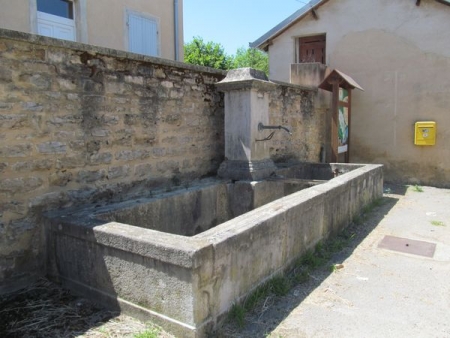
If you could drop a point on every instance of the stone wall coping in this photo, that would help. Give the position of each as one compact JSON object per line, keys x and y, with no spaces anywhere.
{"x":294,"y":86}
{"x":241,"y":74}
{"x":256,"y":82}
{"x":245,"y":84}
{"x":245,"y":78}
{"x":47,"y":41}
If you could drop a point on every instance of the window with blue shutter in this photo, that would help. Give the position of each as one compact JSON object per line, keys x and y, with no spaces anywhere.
{"x":142,"y":35}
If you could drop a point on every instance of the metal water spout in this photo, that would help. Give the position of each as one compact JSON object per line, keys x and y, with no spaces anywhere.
{"x":262,"y":126}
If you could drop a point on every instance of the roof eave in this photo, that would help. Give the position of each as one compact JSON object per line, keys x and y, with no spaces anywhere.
{"x":346,"y":81}
{"x":264,"y":41}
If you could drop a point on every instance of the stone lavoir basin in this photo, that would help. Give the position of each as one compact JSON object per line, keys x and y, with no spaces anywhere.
{"x":182,"y":258}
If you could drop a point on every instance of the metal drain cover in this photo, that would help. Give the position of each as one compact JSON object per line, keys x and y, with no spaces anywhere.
{"x":409,"y":246}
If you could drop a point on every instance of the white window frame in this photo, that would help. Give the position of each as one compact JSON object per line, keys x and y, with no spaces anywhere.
{"x":127,"y":12}
{"x":79,"y":17}
{"x":50,"y":20}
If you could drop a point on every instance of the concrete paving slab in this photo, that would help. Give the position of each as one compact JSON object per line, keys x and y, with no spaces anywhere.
{"x":385,"y":293}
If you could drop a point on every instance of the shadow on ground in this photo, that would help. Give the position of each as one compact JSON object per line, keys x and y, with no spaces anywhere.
{"x":271,"y":311}
{"x":46,"y":310}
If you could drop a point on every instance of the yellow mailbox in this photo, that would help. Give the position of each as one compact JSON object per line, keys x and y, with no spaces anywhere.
{"x":425,"y":133}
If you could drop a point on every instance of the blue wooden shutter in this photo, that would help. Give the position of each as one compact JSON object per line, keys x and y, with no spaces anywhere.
{"x":142,"y":35}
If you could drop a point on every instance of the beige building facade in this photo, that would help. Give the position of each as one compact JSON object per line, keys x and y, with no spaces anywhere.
{"x":399,"y":52}
{"x":153,"y":28}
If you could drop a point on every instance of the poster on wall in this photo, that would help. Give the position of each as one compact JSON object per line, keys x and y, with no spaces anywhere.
{"x":343,"y":122}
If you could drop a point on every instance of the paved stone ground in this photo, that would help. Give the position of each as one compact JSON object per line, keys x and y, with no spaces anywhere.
{"x":381,"y":292}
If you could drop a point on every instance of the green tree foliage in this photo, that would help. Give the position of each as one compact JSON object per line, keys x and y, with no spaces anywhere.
{"x":209,"y":54}
{"x":253,"y":58}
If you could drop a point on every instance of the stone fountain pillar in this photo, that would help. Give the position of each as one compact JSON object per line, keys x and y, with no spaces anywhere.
{"x":246,"y":105}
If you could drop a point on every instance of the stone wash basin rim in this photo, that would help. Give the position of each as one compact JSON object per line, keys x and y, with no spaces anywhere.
{"x":189,"y":252}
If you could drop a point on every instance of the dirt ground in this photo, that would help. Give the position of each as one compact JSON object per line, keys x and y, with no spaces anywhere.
{"x":46,"y":310}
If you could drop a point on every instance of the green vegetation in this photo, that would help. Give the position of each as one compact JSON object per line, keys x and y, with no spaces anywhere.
{"x":280,"y":285}
{"x":253,"y":58}
{"x":438,"y":223}
{"x":417,"y":188}
{"x":368,"y":208}
{"x":300,"y":277}
{"x":208,"y":54}
{"x":237,"y":314}
{"x":151,"y":332}
{"x":359,"y":219}
{"x":211,"y":54}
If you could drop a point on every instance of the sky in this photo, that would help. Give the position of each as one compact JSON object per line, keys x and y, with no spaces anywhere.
{"x":234,"y":23}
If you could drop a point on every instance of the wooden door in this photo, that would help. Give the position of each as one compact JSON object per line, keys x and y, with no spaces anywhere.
{"x":312,"y":49}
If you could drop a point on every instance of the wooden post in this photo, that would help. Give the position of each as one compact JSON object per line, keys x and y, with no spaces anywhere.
{"x":334,"y":81}
{"x":347,"y":154}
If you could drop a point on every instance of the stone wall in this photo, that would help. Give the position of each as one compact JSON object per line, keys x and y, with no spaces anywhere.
{"x":296,"y":108}
{"x":82,"y":125}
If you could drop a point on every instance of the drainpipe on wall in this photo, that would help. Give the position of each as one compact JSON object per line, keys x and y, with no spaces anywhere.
{"x":175,"y":27}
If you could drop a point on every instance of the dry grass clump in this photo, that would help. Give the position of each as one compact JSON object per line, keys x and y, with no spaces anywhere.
{"x":46,"y":310}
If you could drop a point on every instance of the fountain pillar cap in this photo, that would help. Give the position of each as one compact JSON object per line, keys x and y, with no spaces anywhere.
{"x":243,"y":78}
